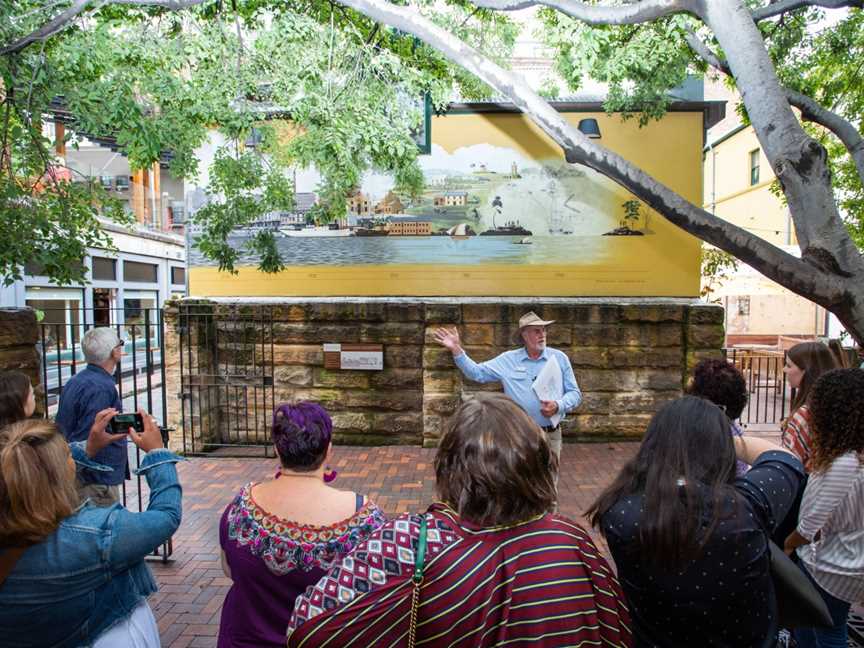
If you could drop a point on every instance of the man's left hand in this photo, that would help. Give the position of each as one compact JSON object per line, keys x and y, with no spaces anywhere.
{"x":548,"y":408}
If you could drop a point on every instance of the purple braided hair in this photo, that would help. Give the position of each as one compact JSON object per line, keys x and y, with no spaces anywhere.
{"x":301,"y":433}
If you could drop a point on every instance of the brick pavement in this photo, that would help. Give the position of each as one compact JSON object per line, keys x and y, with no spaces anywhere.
{"x":399,"y":478}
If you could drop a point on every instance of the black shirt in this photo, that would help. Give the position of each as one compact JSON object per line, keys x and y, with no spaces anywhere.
{"x":725,"y":597}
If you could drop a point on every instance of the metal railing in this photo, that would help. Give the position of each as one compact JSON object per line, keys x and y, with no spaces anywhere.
{"x":769,"y":394}
{"x":140,"y":375}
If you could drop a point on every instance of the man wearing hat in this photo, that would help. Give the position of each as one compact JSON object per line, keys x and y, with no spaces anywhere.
{"x":516,"y":370}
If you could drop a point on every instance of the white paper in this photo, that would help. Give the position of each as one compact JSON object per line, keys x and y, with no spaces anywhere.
{"x":549,"y":385}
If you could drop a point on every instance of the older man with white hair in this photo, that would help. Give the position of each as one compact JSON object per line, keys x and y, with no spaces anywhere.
{"x":86,"y":394}
{"x":517,"y":371}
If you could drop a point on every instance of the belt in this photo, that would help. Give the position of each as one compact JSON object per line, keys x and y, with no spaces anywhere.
{"x":551,"y":428}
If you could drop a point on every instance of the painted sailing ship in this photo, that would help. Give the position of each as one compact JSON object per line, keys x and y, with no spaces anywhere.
{"x":461,"y":231}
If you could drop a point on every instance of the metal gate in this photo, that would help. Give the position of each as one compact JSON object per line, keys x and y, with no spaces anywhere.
{"x":227,"y":386}
{"x":769,"y":394}
{"x":140,"y":376}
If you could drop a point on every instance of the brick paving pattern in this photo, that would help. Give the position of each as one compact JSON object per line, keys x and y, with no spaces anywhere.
{"x":399,"y":478}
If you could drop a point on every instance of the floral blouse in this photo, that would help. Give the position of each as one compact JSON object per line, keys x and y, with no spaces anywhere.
{"x":273,"y":560}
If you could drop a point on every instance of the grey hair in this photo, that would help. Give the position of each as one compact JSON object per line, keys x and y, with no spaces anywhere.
{"x":98,"y":343}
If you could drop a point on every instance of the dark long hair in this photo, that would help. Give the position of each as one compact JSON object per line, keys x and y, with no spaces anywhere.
{"x":814,"y":359}
{"x":687,"y":453}
{"x":14,"y":389}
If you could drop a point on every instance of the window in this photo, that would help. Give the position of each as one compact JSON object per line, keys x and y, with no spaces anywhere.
{"x":107,"y":182}
{"x":34,"y":269}
{"x":178,"y":276}
{"x":744,"y":305}
{"x":140,"y":272}
{"x":104,"y":269}
{"x":121,"y":182}
{"x":140,"y":316}
{"x":62,"y":317}
{"x":754,"y":167}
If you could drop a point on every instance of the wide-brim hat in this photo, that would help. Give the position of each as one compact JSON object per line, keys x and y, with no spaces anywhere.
{"x":529,"y":319}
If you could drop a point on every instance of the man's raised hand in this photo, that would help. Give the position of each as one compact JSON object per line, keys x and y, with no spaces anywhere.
{"x":448,"y":338}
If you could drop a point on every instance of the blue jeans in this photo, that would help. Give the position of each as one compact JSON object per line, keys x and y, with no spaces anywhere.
{"x":833,"y":637}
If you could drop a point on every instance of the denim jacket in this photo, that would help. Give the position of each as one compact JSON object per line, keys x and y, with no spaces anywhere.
{"x":90,"y":573}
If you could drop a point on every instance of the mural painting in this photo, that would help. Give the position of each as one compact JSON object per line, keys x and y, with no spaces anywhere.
{"x":492,"y":219}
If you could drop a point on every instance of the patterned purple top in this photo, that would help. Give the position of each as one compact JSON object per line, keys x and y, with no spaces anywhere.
{"x":273,"y":561}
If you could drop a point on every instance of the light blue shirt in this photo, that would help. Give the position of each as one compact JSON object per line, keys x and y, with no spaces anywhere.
{"x":516,"y":372}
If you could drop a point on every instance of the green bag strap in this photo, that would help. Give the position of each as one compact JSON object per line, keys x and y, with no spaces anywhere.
{"x":421,"y":553}
{"x":417,"y":578}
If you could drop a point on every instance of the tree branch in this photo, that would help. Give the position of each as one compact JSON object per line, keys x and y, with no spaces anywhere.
{"x":785,"y":6}
{"x":811,"y":110}
{"x":56,"y":24}
{"x":789,"y":271}
{"x":626,"y":14}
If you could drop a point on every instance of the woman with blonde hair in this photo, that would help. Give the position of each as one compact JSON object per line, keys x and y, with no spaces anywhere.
{"x":71,"y":574}
{"x":805,"y":363}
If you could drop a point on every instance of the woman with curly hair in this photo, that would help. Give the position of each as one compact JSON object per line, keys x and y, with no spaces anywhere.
{"x":830,"y":536}
{"x":805,"y":363}
{"x":723,"y":384}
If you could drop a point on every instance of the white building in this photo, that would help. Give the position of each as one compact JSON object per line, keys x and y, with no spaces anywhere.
{"x":148,"y":268}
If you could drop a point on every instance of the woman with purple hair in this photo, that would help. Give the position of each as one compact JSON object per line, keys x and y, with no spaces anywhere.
{"x":280,"y":536}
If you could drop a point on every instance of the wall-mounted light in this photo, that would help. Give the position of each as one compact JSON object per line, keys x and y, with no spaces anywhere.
{"x":590,"y":128}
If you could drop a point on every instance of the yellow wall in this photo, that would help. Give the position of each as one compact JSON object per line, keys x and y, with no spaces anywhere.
{"x":665,"y":264}
{"x":729,"y":195}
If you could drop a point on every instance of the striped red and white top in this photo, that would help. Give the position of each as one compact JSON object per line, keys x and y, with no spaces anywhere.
{"x":795,"y":435}
{"x":833,"y":507}
{"x":541,"y":583}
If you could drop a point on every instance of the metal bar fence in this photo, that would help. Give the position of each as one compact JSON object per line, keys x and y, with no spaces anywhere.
{"x":769,"y":393}
{"x":227,"y":386}
{"x":62,"y":358}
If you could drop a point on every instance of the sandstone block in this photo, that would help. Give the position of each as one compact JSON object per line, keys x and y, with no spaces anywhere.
{"x":340,"y":378}
{"x":443,"y":314}
{"x":604,"y":380}
{"x":707,"y":314}
{"x":18,"y":327}
{"x":597,"y":314}
{"x":20,"y":358}
{"x":635,"y":402}
{"x":697,"y":355}
{"x":403,"y":423}
{"x":391,"y":333}
{"x":477,"y":334}
{"x":314,"y":333}
{"x":441,"y":381}
{"x":396,"y":378}
{"x":652,"y":313}
{"x":595,"y":402}
{"x":398,"y":355}
{"x":433,"y":427}
{"x":706,"y":336}
{"x":490,"y":313}
{"x":405,"y":312}
{"x":437,"y":358}
{"x":351,"y":422}
{"x":590,"y":357}
{"x":644,"y":357}
{"x":293,"y":375}
{"x":444,"y":404}
{"x":659,"y":379}
{"x":294,"y":354}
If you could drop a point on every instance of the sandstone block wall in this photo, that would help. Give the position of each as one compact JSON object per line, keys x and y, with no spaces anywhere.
{"x":19,"y":335}
{"x":241,"y":358}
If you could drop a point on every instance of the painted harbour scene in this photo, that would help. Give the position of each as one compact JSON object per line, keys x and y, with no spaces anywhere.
{"x":480,"y":205}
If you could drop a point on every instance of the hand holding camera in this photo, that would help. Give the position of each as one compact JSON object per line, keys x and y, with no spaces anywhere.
{"x":100,"y":436}
{"x":143,"y":431}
